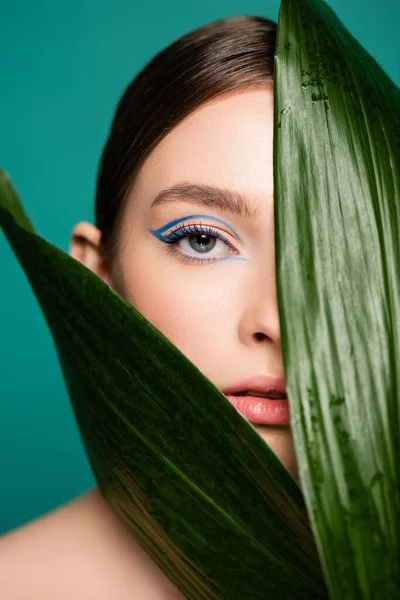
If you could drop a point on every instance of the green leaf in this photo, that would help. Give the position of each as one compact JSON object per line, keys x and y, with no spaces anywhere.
{"x":337,"y":219}
{"x":234,"y":524}
{"x":191,"y":479}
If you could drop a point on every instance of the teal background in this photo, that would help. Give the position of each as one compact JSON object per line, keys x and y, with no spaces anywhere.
{"x":64,"y":66}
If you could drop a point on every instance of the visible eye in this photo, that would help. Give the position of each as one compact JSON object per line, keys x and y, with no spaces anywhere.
{"x":199,"y":238}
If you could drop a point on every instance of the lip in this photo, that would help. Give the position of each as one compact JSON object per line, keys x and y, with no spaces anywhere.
{"x":260,"y":410}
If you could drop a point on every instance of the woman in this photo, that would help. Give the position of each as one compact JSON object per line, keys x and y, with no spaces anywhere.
{"x":184,"y":232}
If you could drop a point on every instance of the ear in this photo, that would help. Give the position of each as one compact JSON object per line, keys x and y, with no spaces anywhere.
{"x":85,"y":247}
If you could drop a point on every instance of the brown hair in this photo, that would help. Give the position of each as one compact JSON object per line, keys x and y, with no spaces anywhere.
{"x":222,"y":56}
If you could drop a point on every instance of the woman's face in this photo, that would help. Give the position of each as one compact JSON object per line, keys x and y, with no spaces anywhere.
{"x":223,"y":315}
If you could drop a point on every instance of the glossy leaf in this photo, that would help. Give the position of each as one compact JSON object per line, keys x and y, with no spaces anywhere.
{"x":190,"y":478}
{"x":337,"y":219}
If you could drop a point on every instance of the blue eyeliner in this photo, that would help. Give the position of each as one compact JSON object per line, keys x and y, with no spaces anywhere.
{"x":158,"y":232}
{"x":186,"y":230}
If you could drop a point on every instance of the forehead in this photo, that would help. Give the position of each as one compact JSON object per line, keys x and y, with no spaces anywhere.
{"x":226,"y":142}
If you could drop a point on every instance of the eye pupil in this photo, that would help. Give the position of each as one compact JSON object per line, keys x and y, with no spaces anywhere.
{"x":201,"y":239}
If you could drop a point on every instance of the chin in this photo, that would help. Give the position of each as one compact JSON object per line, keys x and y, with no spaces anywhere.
{"x":280,"y":440}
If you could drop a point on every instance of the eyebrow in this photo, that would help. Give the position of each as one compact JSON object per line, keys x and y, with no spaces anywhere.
{"x":223,"y":199}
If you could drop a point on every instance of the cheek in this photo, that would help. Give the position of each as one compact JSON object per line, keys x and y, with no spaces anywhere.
{"x":184,"y":303}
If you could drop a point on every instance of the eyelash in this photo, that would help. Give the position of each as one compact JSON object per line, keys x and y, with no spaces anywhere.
{"x":182,"y":232}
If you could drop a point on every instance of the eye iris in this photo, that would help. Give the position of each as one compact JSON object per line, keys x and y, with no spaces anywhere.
{"x":201,"y":239}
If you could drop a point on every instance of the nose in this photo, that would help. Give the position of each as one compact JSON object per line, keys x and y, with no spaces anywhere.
{"x":260,"y":314}
{"x":266,"y":324}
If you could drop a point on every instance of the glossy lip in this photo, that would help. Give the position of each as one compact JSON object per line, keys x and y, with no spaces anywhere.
{"x":260,"y":410}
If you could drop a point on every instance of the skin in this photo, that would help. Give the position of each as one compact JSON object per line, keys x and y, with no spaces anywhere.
{"x":228,"y":143}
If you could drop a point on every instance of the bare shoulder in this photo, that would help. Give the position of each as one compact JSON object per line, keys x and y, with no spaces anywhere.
{"x":79,"y":551}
